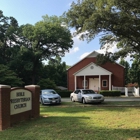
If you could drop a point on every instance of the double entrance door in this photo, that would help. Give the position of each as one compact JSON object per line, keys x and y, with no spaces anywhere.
{"x":94,"y":84}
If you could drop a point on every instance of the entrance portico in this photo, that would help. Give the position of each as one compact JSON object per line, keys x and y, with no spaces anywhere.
{"x":94,"y":77}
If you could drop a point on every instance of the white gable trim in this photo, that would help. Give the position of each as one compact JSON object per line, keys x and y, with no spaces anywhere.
{"x":89,"y":55}
{"x":92,"y":54}
{"x":92,"y":69}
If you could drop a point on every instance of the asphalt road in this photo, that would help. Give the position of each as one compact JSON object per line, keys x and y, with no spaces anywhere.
{"x":111,"y":99}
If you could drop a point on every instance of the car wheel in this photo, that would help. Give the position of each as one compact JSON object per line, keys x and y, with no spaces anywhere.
{"x":42,"y":102}
{"x":83,"y":101}
{"x":72,"y":99}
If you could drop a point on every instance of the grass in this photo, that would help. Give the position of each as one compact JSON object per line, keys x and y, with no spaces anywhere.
{"x":109,"y":103}
{"x":75,"y":121}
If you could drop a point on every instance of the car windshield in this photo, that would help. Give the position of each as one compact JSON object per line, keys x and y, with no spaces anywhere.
{"x":88,"y":92}
{"x":49,"y":92}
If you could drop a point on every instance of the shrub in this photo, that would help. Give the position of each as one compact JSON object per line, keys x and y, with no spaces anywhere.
{"x":9,"y":77}
{"x":46,"y":84}
{"x":64,"y":93}
{"x":110,"y":93}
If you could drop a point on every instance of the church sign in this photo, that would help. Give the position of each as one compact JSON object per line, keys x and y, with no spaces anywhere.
{"x":20,"y":101}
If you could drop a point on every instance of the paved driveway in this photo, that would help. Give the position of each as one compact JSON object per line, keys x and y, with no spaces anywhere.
{"x":111,"y":99}
{"x":122,"y":99}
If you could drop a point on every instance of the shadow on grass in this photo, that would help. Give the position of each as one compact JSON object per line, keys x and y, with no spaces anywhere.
{"x":67,"y":128}
{"x":107,"y":103}
{"x":78,"y":107}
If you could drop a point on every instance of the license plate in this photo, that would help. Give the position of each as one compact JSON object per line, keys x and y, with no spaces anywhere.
{"x":53,"y":101}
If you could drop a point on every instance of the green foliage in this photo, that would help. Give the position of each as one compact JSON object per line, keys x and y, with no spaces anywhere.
{"x":54,"y":20}
{"x":116,"y":21}
{"x":135,"y":71}
{"x":24,"y":48}
{"x":127,"y":70}
{"x":102,"y":59}
{"x":46,"y":84}
{"x":131,"y":73}
{"x":46,"y":39}
{"x":9,"y":77}
{"x":64,"y":93}
{"x":55,"y":70}
{"x":8,"y":37}
{"x":67,"y":67}
{"x":23,"y":65}
{"x":110,"y":93}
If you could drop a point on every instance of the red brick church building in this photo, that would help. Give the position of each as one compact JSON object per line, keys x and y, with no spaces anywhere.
{"x":86,"y":74}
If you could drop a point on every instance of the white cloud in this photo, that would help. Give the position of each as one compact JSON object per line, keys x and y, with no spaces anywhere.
{"x":69,"y":4}
{"x":75,"y":45}
{"x":74,"y":50}
{"x":127,"y":58}
{"x":112,"y":48}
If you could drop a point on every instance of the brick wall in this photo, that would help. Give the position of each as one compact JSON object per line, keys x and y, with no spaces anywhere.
{"x":7,"y":120}
{"x":117,"y":77}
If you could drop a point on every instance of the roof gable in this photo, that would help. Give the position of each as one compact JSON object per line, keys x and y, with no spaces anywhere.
{"x":92,"y":69}
{"x":92,"y":54}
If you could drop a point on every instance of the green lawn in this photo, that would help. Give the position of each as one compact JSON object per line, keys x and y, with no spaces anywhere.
{"x":109,"y":103}
{"x":75,"y":121}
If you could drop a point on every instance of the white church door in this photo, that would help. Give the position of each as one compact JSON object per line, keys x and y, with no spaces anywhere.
{"x":94,"y":83}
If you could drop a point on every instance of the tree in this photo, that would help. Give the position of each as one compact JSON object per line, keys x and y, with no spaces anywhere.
{"x":8,"y":38}
{"x":24,"y":48}
{"x":47,"y":84}
{"x":9,"y":77}
{"x":9,"y":47}
{"x":117,"y":21}
{"x":68,"y":66}
{"x":56,"y":71}
{"x":22,"y":64}
{"x":135,"y":71}
{"x":45,"y":40}
{"x":127,"y":70}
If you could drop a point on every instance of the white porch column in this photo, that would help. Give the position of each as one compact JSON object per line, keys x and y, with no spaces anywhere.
{"x":99,"y":88}
{"x":75,"y":81}
{"x":109,"y":82}
{"x":136,"y":91}
{"x":84,"y":81}
{"x":126,"y":91}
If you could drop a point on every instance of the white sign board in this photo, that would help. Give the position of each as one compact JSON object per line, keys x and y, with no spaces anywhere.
{"x":20,"y":101}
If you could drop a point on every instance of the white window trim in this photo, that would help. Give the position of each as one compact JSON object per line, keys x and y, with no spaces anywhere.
{"x":103,"y":82}
{"x":86,"y":83}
